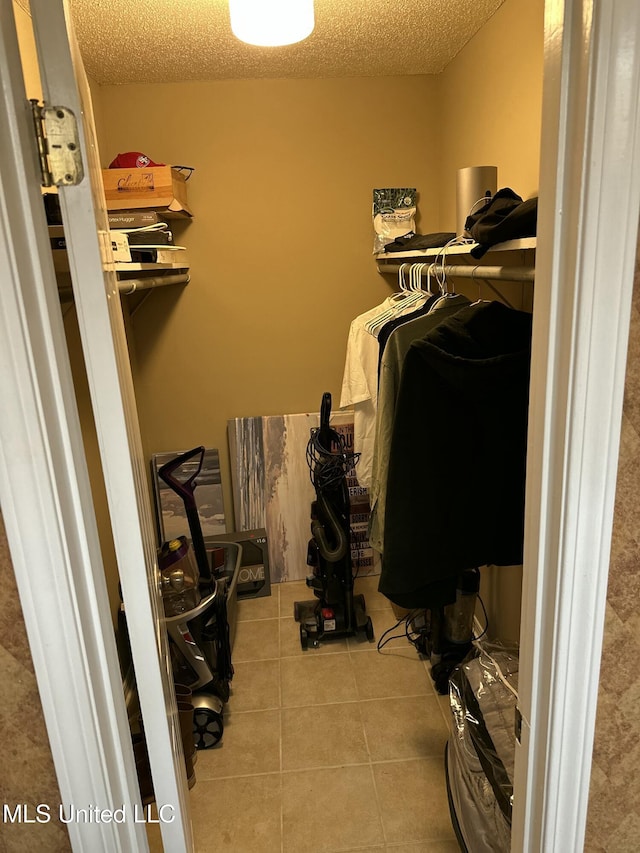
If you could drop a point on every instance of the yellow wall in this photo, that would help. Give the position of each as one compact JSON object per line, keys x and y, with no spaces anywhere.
{"x":281,"y":240}
{"x":492,"y":104}
{"x":28,"y":56}
{"x":280,"y":243}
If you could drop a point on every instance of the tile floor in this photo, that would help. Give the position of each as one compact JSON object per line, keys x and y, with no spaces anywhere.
{"x":338,"y":748}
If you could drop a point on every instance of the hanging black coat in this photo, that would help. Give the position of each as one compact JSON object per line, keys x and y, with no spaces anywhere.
{"x":455,"y":492}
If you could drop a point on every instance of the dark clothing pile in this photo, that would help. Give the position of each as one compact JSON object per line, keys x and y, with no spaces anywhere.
{"x":504,"y":217}
{"x":411,"y":241}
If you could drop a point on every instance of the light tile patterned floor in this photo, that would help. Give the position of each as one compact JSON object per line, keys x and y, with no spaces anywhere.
{"x":334,"y":749}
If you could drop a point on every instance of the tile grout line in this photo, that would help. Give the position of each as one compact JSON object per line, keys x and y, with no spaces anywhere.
{"x":281,"y":789}
{"x":341,"y":651}
{"x":320,"y":767}
{"x":355,"y":701}
{"x":371,"y":768}
{"x":370,"y":762}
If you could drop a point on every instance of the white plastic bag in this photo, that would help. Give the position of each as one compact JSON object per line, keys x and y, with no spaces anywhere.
{"x":394,"y":211}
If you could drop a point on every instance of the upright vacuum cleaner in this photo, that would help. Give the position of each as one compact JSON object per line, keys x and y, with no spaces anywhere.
{"x":335,"y":611}
{"x":199,"y":633}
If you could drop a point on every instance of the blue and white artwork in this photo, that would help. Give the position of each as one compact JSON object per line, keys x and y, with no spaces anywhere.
{"x":272,"y":489}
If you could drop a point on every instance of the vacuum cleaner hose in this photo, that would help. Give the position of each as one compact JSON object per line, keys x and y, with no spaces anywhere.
{"x":338,"y":551}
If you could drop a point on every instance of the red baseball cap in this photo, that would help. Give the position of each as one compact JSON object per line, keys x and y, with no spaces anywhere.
{"x":133,"y":159}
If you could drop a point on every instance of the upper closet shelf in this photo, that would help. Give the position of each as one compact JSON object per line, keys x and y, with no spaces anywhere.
{"x":469,"y":267}
{"x":133,"y":276}
{"x":133,"y":267}
{"x":465,"y":249}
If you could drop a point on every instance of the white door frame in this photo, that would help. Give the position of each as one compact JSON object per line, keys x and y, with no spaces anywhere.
{"x":587,"y":239}
{"x":108,"y":372}
{"x":590,"y":188}
{"x":106,"y":358}
{"x":47,"y":505}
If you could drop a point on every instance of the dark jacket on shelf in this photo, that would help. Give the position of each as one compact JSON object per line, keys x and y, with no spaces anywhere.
{"x":504,"y":217}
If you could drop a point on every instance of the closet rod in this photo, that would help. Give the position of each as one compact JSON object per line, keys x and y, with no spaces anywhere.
{"x":132,"y":285}
{"x":467,"y":271}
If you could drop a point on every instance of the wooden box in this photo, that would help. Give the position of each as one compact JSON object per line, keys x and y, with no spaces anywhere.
{"x":158,"y":187}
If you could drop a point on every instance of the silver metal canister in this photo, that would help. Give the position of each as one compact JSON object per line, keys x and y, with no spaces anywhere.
{"x":473,"y":183}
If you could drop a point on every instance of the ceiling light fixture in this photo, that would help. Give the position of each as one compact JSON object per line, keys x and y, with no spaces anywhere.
{"x":271,"y":23}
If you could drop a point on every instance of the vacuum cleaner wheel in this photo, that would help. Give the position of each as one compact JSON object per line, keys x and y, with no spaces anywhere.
{"x":369,"y":629}
{"x":207,"y":728}
{"x":207,"y":720}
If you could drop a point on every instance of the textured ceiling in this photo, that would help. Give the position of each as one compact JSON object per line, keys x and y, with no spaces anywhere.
{"x":138,"y":41}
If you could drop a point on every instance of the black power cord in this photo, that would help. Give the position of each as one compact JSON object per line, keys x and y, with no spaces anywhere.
{"x":486,"y":621}
{"x":408,"y":634}
{"x":419,"y":636}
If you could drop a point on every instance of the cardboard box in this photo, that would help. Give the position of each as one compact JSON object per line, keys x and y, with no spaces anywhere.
{"x":254,"y":578}
{"x":158,"y":187}
{"x":120,"y":247}
{"x":177,"y":256}
{"x":134,"y":218}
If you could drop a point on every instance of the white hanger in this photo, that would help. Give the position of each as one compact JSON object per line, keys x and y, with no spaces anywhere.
{"x":408,"y":296}
{"x":381,"y":318}
{"x":414,"y":277}
{"x":417,"y":270}
{"x":441,"y":286}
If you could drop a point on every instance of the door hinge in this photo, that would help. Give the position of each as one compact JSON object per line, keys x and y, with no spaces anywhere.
{"x":58,"y":145}
{"x":518,"y":725}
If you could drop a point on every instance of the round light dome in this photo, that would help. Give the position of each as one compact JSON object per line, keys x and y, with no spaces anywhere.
{"x":271,"y":23}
